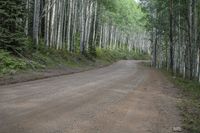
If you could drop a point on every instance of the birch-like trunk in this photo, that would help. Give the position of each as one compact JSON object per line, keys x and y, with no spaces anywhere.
{"x":36,"y":22}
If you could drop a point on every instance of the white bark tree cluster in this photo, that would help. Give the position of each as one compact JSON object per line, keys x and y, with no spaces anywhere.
{"x":112,"y":37}
{"x":76,"y":25}
{"x":175,"y":38}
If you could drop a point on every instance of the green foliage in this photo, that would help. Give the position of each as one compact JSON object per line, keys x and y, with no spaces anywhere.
{"x":38,"y":60}
{"x":120,"y":54}
{"x":11,"y":24}
{"x":9,"y":63}
{"x":190,"y":105}
{"x":46,"y":57}
{"x":125,"y":14}
{"x":190,"y":88}
{"x":190,"y":110}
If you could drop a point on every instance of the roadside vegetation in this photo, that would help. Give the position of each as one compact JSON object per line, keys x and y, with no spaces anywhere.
{"x":51,"y":58}
{"x":38,"y":34}
{"x":189,"y":104}
{"x":174,"y":29}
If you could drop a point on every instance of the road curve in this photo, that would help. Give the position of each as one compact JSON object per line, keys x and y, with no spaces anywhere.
{"x":122,"y":98}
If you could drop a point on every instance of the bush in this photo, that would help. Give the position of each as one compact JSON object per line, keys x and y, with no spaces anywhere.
{"x":9,"y":63}
{"x":41,"y":57}
{"x":120,"y":54}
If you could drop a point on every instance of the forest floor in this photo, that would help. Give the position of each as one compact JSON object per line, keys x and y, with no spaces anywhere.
{"x":30,"y":75}
{"x":125,"y":97}
{"x":50,"y":63}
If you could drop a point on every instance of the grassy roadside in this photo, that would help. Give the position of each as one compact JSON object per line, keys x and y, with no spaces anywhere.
{"x":190,"y":102}
{"x":51,"y":58}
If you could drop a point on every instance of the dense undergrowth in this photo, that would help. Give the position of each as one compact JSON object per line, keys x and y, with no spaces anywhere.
{"x":120,"y":54}
{"x":48,"y":58}
{"x":190,"y":103}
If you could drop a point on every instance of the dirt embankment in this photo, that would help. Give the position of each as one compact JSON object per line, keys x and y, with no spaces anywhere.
{"x":45,"y":73}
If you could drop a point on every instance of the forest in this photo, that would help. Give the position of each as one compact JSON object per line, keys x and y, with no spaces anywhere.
{"x":174,"y":26}
{"x":85,"y":66}
{"x":169,"y":30}
{"x":74,"y":26}
{"x":174,"y":34}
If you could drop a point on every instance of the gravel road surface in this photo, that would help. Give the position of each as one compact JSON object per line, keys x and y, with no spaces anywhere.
{"x":125,"y":97}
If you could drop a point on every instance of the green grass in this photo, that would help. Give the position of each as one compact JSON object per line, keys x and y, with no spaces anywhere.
{"x":10,"y":64}
{"x":49,"y":58}
{"x":190,"y":103}
{"x":120,"y":54}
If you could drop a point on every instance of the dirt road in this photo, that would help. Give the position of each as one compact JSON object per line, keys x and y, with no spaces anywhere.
{"x":122,"y":98}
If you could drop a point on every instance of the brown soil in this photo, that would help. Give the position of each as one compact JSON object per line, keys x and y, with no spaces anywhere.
{"x":122,"y":98}
{"x":44,"y":73}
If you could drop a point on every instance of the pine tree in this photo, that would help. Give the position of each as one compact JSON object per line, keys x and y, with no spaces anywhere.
{"x":12,"y":13}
